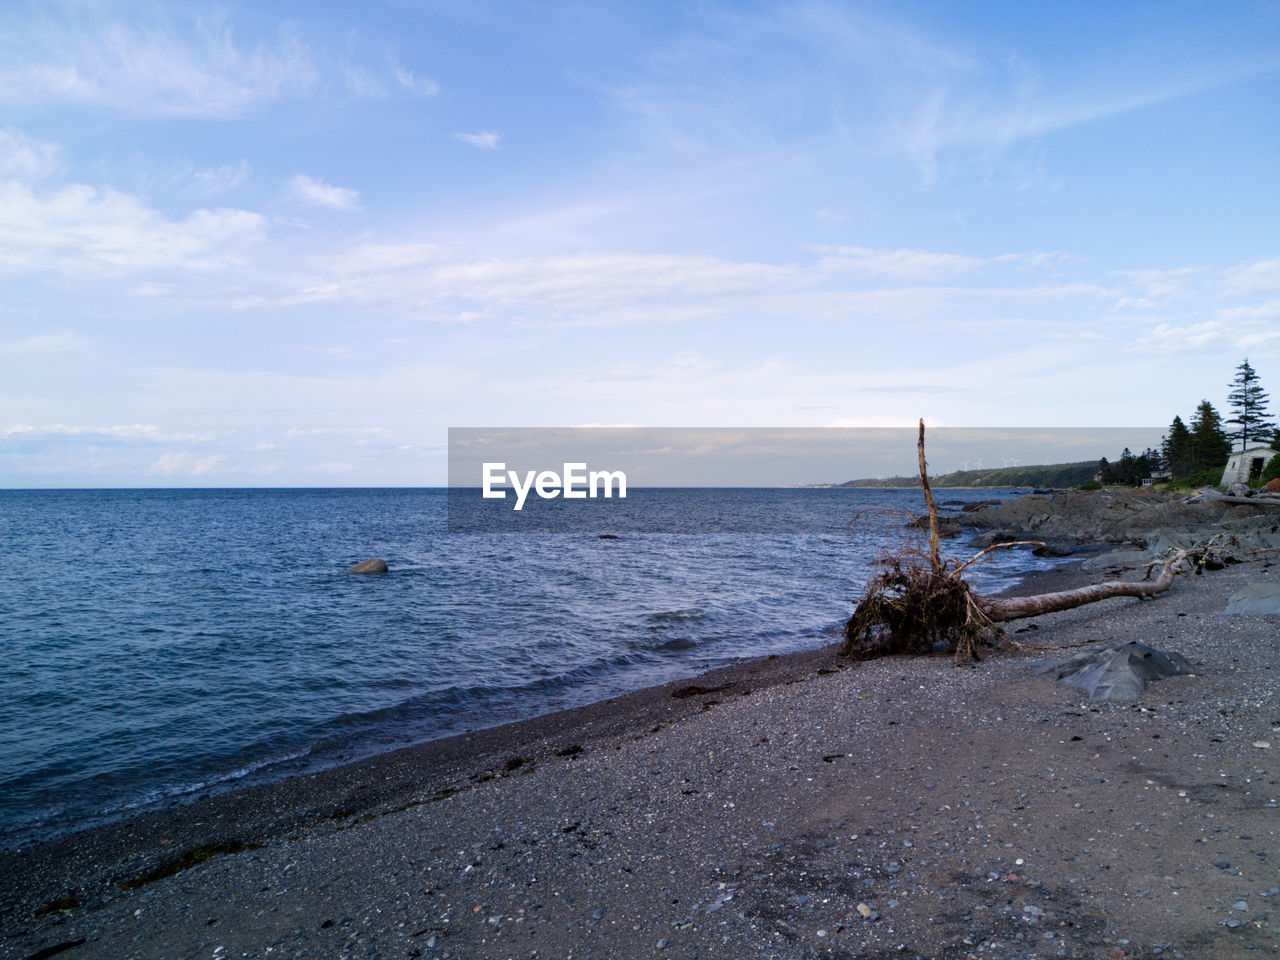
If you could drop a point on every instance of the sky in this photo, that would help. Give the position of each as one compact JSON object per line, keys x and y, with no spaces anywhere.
{"x":285,"y":243}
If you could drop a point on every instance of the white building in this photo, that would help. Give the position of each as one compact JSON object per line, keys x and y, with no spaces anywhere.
{"x":1246,"y":465}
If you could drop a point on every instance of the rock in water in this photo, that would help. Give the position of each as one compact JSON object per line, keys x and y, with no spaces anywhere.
{"x":372,"y":565}
{"x":1257,"y":598}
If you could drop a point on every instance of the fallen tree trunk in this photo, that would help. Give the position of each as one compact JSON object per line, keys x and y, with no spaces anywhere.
{"x":1000,"y":609}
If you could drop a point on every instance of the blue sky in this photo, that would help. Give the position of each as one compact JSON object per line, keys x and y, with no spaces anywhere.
{"x":288,"y":243}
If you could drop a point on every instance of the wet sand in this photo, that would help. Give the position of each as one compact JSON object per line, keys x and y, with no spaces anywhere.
{"x":797,"y":806}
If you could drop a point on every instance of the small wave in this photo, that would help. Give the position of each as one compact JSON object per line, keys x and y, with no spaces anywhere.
{"x":171,"y":791}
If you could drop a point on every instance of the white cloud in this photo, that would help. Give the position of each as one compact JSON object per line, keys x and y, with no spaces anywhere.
{"x":899,"y":264}
{"x":223,"y":178}
{"x":318,"y":193}
{"x":75,"y":53}
{"x":23,"y":158}
{"x":76,"y":225}
{"x":186,"y":463}
{"x":481,"y":140}
{"x":144,"y":432}
{"x":408,"y":80}
{"x":1257,"y":276}
{"x":335,"y":431}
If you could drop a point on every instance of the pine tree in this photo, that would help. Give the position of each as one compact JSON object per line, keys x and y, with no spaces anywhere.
{"x":1249,"y":403}
{"x":1126,"y":468}
{"x":1105,"y":473}
{"x":1179,"y":457}
{"x":1210,"y":445}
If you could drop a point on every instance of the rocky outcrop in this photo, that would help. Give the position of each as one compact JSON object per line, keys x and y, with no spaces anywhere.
{"x":1143,"y":523}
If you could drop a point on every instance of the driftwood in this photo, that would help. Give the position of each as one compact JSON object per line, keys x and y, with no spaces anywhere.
{"x":1249,"y":501}
{"x":920,"y":603}
{"x":1000,"y":609}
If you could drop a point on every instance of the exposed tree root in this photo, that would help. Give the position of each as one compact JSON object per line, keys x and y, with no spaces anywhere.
{"x":920,"y":603}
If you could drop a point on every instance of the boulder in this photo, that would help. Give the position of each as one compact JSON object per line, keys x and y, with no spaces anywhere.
{"x":1239,"y":489}
{"x":1118,"y":673}
{"x":1257,"y":598}
{"x":1273,"y":485}
{"x":1054,"y":548}
{"x":372,"y":565}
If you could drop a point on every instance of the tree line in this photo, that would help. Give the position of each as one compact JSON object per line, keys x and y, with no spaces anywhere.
{"x":1199,"y":450}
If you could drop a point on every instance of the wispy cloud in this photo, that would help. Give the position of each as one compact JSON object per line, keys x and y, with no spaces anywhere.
{"x":318,"y":193}
{"x":185,"y":463}
{"x":76,"y":227}
{"x":62,"y":51}
{"x":1256,"y":276}
{"x":408,"y":80}
{"x":143,"y":432}
{"x":24,"y":158}
{"x":223,"y":178}
{"x":481,"y":140}
{"x":77,"y":53}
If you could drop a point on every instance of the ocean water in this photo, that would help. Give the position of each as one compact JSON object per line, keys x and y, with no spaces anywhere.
{"x":162,"y":644}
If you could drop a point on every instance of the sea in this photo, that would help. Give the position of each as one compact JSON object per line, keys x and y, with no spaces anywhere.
{"x":161,"y":645}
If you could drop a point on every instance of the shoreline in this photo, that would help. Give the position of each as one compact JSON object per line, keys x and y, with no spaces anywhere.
{"x":426,"y":797}
{"x":377,"y":782}
{"x":323,"y":773}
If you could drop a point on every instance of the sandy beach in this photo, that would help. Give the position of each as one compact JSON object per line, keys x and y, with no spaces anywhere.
{"x":798,"y":806}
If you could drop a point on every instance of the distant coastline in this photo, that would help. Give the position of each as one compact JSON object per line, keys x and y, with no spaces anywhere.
{"x":1040,"y":475}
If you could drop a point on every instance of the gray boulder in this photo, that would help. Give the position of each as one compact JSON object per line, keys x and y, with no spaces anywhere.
{"x":1257,"y":598}
{"x":1118,"y":673}
{"x":372,"y":565}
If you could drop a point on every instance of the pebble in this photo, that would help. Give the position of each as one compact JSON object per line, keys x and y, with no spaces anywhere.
{"x":1240,"y":905}
{"x":864,"y":910}
{"x":661,"y":944}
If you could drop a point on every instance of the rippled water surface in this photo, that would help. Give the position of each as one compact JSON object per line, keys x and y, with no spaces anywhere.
{"x":160,"y":643}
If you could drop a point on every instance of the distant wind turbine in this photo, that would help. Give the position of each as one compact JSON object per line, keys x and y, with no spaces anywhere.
{"x":978,"y":465}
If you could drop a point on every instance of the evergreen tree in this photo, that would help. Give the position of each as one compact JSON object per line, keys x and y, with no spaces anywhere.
{"x":1179,"y":457}
{"x":1126,"y":468}
{"x":1249,"y":404}
{"x":1210,"y":445}
{"x":1105,"y":473}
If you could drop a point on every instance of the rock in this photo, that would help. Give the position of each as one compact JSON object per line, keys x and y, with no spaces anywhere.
{"x":864,"y":910}
{"x":1054,"y":550}
{"x":1273,"y":485}
{"x":372,"y":565}
{"x":1239,"y":489}
{"x":607,"y":536}
{"x":1117,"y":673}
{"x":1202,"y":495}
{"x":981,"y":504}
{"x":1256,"y":598}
